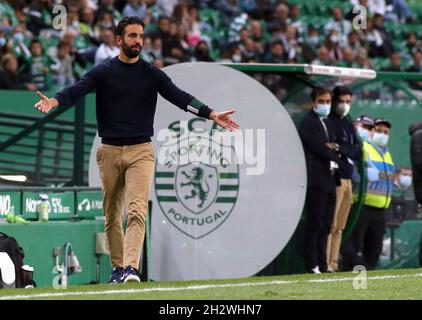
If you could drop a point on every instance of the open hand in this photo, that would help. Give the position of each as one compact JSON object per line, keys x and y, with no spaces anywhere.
{"x":223,"y":120}
{"x":45,"y":104}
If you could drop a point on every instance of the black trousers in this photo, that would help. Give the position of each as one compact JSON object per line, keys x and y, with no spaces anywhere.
{"x":320,"y":207}
{"x":367,"y":238}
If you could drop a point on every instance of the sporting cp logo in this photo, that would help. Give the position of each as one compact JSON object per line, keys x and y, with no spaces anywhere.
{"x":197,"y":197}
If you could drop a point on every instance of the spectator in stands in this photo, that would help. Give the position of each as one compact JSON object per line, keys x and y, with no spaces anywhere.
{"x":136,"y":8}
{"x":158,"y":62}
{"x":354,"y":42}
{"x":332,"y":42}
{"x":63,"y":73}
{"x":86,"y":25}
{"x":202,"y":53}
{"x":229,"y":10}
{"x":416,"y":67}
{"x":107,"y":6}
{"x":362,"y":60}
{"x":163,"y":32}
{"x":241,"y":38}
{"x":380,"y":42}
{"x":17,"y":42}
{"x":249,"y":52}
{"x":338,"y":23}
{"x":103,"y":21}
{"x":295,"y":21}
{"x":194,"y":26}
{"x":276,"y":54}
{"x":146,"y":50}
{"x":166,"y":7}
{"x":36,"y":69}
{"x":108,"y":48}
{"x":255,"y":31}
{"x":280,"y":18}
{"x":40,"y":16}
{"x":180,"y":50}
{"x":411,"y":45}
{"x":317,"y":135}
{"x":247,"y":5}
{"x":395,"y":63}
{"x":3,"y":43}
{"x":348,"y":58}
{"x":157,"y":48}
{"x":312,"y":38}
{"x":323,"y":58}
{"x":235,"y":54}
{"x":9,"y":78}
{"x":180,"y":14}
{"x":401,"y":11}
{"x":290,"y":44}
{"x":73,"y":18}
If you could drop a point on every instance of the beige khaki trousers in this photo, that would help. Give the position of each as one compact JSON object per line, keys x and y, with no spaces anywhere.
{"x":344,"y":199}
{"x":126,"y":174}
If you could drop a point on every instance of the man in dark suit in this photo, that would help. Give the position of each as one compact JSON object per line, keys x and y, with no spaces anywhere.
{"x":318,"y":136}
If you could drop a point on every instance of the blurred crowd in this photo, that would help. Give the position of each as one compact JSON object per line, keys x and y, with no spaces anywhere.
{"x":36,"y":56}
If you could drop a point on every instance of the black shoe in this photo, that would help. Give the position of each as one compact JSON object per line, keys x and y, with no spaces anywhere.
{"x":130,"y":274}
{"x":116,"y":275}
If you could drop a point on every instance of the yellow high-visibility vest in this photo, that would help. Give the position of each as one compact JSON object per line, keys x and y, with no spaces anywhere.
{"x":378,"y":192}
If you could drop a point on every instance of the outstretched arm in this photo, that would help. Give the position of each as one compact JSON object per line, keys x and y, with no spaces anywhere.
{"x":69,"y":95}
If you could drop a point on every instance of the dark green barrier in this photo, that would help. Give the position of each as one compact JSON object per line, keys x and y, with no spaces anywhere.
{"x":39,"y":238}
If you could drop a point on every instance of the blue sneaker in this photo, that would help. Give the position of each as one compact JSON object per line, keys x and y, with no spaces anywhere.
{"x":130,"y":274}
{"x":116,"y":275}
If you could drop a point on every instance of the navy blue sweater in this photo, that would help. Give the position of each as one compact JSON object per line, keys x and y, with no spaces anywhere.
{"x":350,"y":146}
{"x":126,"y":97}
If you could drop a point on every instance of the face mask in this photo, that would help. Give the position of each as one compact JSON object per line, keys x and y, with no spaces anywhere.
{"x":380,"y":139}
{"x":323,"y":110}
{"x":18,"y":37}
{"x":313,"y":40}
{"x":343,"y":109}
{"x":334,"y":39}
{"x":364,"y":134}
{"x":236,"y":58}
{"x":405,"y":181}
{"x":2,"y":42}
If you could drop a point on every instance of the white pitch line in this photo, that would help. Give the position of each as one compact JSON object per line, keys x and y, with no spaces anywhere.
{"x":200,"y":287}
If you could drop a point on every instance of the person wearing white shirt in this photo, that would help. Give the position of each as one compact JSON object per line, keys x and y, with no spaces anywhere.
{"x":108,"y":48}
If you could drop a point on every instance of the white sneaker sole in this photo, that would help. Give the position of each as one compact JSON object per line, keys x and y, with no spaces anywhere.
{"x":132,"y":278}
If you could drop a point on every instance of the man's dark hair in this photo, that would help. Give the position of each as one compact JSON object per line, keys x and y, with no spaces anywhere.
{"x":127,"y":21}
{"x":319,"y":91}
{"x":341,"y":91}
{"x":35,"y":41}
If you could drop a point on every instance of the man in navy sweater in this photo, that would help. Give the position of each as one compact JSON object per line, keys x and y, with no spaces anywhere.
{"x":350,"y":150}
{"x":126,"y":96}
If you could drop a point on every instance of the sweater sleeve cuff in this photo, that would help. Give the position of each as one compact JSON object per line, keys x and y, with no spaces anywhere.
{"x":60,"y":99}
{"x":198,"y":108}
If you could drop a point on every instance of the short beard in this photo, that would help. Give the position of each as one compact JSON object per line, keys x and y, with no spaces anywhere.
{"x":129,"y":52}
